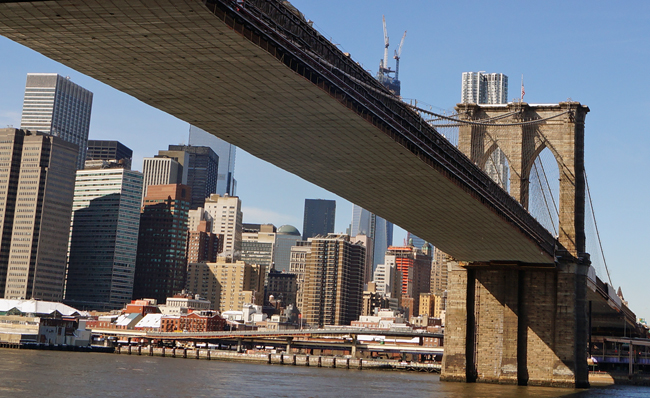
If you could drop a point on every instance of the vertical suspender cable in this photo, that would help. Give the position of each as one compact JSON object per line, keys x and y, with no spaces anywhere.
{"x":591,"y":205}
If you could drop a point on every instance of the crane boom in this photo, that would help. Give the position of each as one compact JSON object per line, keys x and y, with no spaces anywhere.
{"x":398,"y":55}
{"x":385,"y":61}
{"x":398,"y":52}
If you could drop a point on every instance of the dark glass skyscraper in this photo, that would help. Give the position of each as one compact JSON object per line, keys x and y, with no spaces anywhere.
{"x":109,"y":150}
{"x":202,"y":171}
{"x":379,"y":230}
{"x":319,"y":218}
{"x":226,"y":183}
{"x":103,"y":238}
{"x":161,"y":261}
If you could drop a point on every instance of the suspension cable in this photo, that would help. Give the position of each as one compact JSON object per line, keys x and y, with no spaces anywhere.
{"x":475,"y":123}
{"x":555,"y":206}
{"x":548,"y":209}
{"x":600,"y":243}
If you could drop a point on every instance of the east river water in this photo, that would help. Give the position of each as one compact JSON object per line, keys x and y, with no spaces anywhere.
{"x":27,"y":373}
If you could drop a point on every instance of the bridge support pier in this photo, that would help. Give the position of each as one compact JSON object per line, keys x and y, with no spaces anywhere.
{"x":353,"y":348}
{"x":517,"y":325}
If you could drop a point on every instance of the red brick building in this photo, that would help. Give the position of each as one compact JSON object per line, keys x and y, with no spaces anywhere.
{"x":194,"y":322}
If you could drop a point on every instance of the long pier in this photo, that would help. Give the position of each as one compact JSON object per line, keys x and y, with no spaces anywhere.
{"x":320,"y":361}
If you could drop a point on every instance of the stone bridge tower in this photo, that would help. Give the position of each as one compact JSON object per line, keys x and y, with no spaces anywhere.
{"x":522,"y":323}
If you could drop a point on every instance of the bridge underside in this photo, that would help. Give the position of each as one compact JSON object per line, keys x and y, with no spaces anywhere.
{"x":182,"y":58}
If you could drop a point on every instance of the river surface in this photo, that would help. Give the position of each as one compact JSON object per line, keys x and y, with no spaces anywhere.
{"x":31,"y":373}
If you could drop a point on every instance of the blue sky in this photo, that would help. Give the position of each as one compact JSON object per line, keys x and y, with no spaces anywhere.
{"x":594,"y":52}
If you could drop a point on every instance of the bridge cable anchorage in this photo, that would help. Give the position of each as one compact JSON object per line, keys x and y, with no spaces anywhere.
{"x":593,"y":214}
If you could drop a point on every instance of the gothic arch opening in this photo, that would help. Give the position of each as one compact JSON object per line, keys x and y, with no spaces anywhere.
{"x":497,"y":167}
{"x":544,"y":190}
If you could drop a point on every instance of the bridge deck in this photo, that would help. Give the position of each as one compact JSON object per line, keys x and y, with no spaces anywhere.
{"x":241,"y":77}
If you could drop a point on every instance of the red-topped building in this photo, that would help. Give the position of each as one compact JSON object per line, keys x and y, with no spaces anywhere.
{"x":414,"y":266}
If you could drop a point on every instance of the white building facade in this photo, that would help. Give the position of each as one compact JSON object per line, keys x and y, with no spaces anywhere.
{"x":226,"y":220}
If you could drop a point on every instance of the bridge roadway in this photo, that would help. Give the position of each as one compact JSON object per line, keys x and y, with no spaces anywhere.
{"x":260,"y":77}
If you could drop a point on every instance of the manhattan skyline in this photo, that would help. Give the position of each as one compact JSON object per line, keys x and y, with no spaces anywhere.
{"x":593,"y":55}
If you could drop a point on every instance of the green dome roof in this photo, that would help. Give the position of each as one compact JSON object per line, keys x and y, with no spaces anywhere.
{"x":288,"y":230}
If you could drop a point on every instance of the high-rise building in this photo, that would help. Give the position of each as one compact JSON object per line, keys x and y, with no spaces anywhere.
{"x":226,"y":183}
{"x":285,"y":238}
{"x":36,"y":190}
{"x":161,"y":263}
{"x":227,"y":284}
{"x":333,"y":286}
{"x":439,"y":272}
{"x":55,"y":105}
{"x":415,"y":241}
{"x":202,"y":170}
{"x":202,"y":245}
{"x":376,"y":228}
{"x":372,"y":300}
{"x":428,"y":304}
{"x":299,"y":253}
{"x":195,"y":216}
{"x":414,"y":267}
{"x":497,"y":88}
{"x":387,"y":279}
{"x":368,"y":266}
{"x":103,"y":238}
{"x":319,"y":218}
{"x":484,"y":88}
{"x":110,"y":150}
{"x":283,"y":287}
{"x":258,"y":244}
{"x":227,"y":221}
{"x":163,"y":170}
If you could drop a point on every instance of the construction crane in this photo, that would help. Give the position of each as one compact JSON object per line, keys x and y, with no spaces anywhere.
{"x":384,"y":73}
{"x":383,"y":64}
{"x":398,"y":55}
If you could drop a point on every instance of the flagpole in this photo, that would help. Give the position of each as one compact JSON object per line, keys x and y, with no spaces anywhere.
{"x":523,"y":92}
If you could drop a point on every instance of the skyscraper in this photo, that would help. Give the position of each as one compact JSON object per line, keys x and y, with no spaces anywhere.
{"x":414,"y":267}
{"x":299,"y":253}
{"x":103,"y":238}
{"x":202,"y":244}
{"x":376,"y":228}
{"x":285,"y":238}
{"x":36,"y":190}
{"x":333,"y":285}
{"x":484,"y":88}
{"x":227,"y":284}
{"x":258,"y":244}
{"x":202,"y":170}
{"x":109,"y":150}
{"x":161,"y":263}
{"x":319,"y":218}
{"x":226,"y":183}
{"x":227,"y":221}
{"x":163,"y":170}
{"x":55,"y":105}
{"x":415,"y":241}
